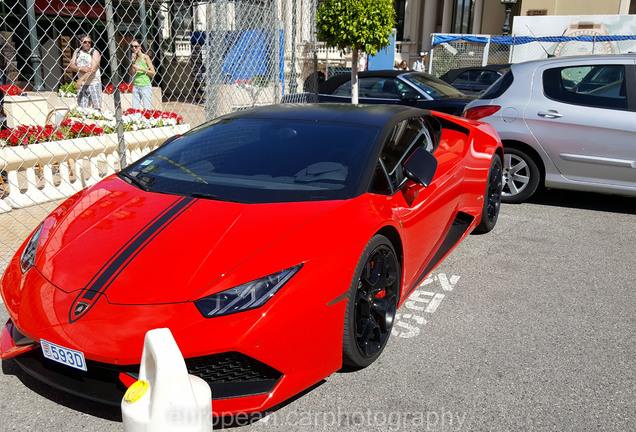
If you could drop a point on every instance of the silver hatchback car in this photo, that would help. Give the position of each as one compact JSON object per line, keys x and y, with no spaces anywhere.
{"x":566,"y":123}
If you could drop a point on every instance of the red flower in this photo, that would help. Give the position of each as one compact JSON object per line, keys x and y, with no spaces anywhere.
{"x":126,"y":88}
{"x":123,"y":88}
{"x":25,"y":134}
{"x":77,"y":127}
{"x":11,"y":90}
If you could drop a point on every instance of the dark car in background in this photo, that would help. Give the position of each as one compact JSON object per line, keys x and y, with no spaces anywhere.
{"x":474,"y":80}
{"x":415,"y":89}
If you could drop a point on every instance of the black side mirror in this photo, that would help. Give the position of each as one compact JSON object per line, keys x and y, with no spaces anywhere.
{"x":421,"y":167}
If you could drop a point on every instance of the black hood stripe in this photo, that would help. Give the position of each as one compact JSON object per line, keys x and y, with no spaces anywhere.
{"x":100,"y":282}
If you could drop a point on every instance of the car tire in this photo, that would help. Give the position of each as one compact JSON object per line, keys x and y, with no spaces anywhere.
{"x":521,"y":176}
{"x":372,"y":303}
{"x":492,"y":197}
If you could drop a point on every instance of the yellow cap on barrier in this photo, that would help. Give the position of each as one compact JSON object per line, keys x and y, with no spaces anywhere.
{"x":136,"y":391}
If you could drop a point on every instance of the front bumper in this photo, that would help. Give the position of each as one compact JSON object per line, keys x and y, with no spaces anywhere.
{"x":252,"y":360}
{"x":229,"y":375}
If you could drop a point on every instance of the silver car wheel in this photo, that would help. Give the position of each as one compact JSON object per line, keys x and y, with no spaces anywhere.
{"x":516,"y":175}
{"x":521,"y":176}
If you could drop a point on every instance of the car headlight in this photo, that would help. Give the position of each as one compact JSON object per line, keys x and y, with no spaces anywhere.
{"x":27,"y":259}
{"x":245,"y":297}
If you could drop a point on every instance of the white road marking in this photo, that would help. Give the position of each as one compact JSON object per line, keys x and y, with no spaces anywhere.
{"x":447,"y":283}
{"x":433,"y":304}
{"x":407,"y":325}
{"x":408,"y":330}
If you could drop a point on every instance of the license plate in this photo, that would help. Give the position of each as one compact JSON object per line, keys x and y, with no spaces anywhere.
{"x":66,"y":356}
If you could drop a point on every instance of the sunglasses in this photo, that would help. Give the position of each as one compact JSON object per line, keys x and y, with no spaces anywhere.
{"x":88,"y":42}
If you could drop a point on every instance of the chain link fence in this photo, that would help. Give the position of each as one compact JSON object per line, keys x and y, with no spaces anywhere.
{"x":453,"y":51}
{"x":209,"y":57}
{"x":462,"y":53}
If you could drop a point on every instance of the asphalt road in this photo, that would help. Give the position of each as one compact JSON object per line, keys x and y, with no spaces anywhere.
{"x":530,"y":327}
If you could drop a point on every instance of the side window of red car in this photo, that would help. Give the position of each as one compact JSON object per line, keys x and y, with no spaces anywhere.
{"x":380,"y":182}
{"x":402,"y":141}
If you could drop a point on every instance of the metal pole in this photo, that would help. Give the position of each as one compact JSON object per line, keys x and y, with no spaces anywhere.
{"x":293,"y":78}
{"x":431,"y":55}
{"x":36,"y":61}
{"x":112,"y":48}
{"x":484,"y":57}
{"x":279,"y":44}
{"x":314,"y":42}
{"x":144,"y":29}
{"x":212,"y":56}
{"x":161,"y":54}
{"x":512,"y":49}
{"x":315,"y":83}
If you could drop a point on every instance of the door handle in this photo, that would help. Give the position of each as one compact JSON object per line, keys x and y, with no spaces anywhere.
{"x":549,"y":114}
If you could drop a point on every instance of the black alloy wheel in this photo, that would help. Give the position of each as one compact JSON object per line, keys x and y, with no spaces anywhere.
{"x":372,"y":303}
{"x":492,"y":197}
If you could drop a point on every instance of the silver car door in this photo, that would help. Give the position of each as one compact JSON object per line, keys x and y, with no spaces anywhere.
{"x":580,"y":115}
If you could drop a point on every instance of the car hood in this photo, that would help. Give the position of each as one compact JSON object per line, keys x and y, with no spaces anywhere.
{"x":138,"y":247}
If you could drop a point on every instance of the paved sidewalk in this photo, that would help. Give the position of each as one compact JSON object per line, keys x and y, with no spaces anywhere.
{"x":192,"y":114}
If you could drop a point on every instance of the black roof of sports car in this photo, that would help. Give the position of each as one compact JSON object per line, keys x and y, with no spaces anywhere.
{"x":273,"y":154}
{"x":367,"y":115}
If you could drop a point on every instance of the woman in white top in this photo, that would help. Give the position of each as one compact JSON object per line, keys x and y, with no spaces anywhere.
{"x":86,"y":60}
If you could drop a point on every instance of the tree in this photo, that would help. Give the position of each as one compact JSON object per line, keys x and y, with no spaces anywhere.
{"x":362,"y":25}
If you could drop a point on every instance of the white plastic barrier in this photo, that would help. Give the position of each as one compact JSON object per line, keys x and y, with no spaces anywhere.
{"x":77,"y":162}
{"x":166,"y":398}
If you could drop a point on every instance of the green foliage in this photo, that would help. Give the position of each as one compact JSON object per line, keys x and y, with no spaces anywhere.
{"x":68,"y":89}
{"x":260,"y":80}
{"x":360,"y":24}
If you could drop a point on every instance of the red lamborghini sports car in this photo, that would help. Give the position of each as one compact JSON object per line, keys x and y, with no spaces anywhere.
{"x":275,"y":243}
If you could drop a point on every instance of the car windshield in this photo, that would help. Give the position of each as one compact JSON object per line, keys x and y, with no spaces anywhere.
{"x":434,"y":87}
{"x":259,"y":161}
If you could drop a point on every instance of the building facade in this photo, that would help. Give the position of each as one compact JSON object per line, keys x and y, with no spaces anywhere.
{"x":417,"y":19}
{"x":38,"y":37}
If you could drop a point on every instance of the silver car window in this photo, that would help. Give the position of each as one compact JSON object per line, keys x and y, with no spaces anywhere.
{"x":602,"y":86}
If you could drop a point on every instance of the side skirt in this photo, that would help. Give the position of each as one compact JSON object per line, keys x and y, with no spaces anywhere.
{"x":456,"y":231}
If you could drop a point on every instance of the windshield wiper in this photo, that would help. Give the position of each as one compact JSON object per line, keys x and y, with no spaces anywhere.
{"x":134,"y":181}
{"x":204,"y":195}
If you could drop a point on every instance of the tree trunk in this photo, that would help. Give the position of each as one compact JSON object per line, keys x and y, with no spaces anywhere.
{"x":354,"y":76}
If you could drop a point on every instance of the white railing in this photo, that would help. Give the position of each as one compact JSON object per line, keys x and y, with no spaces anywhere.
{"x":403,"y":51}
{"x":40,"y":173}
{"x":330,"y":53}
{"x":182,"y":48}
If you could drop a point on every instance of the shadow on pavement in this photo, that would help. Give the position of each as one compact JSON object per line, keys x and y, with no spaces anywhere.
{"x":586,"y":201}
